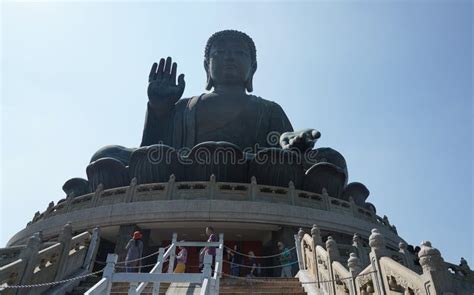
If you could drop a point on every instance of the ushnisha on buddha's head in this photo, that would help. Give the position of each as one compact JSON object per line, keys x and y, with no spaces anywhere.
{"x":230,"y":59}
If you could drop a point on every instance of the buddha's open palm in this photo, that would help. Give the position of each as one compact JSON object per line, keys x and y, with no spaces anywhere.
{"x":162,"y":87}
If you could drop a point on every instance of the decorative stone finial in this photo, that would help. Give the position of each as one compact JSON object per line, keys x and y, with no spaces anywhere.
{"x":324,"y":192}
{"x":332,"y":249}
{"x":356,"y":239}
{"x":330,"y":243}
{"x":464,"y":267}
{"x":402,"y":246}
{"x":50,"y":205}
{"x":253,"y":180}
{"x":36,"y":216}
{"x":316,"y":234}
{"x":301,"y":234}
{"x":353,"y":263}
{"x":376,"y":241}
{"x":430,"y":258}
{"x":291,"y":185}
{"x":315,"y":230}
{"x":99,"y":188}
{"x":66,"y":234}
{"x":34,"y":240}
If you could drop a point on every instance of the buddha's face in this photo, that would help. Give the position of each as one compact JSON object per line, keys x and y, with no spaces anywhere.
{"x":230,"y":62}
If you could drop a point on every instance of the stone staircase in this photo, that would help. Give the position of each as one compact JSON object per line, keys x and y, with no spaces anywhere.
{"x":228,"y":286}
{"x":85,"y":285}
{"x":117,"y":288}
{"x":261,"y":286}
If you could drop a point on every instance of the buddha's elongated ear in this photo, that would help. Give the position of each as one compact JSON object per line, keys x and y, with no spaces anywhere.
{"x":249,"y":84}
{"x":209,"y":82}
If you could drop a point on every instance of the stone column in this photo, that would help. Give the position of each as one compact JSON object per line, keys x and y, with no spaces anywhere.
{"x":435,"y":273}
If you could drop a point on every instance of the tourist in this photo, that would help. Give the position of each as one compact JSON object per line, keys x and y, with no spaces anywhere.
{"x":134,"y":253}
{"x":208,"y":250}
{"x":235,"y":260}
{"x":285,"y":260}
{"x":252,"y":263}
{"x":181,"y":259}
{"x":211,"y":238}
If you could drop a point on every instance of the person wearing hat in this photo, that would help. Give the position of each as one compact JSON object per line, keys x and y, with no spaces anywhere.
{"x":134,"y":253}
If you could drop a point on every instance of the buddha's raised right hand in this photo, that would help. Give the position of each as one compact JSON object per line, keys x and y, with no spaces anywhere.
{"x":163,"y":92}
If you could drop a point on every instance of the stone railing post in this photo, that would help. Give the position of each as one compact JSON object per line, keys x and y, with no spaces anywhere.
{"x":49,"y":209}
{"x":325,"y":196}
{"x":354,"y":268}
{"x":300,"y":249}
{"x":131,"y":190}
{"x":207,"y":272}
{"x":65,"y":239}
{"x":212,"y":187}
{"x":97,"y":194}
{"x":92,"y":250}
{"x":317,"y":241}
{"x":69,"y":198}
{"x":253,"y":188}
{"x":377,"y":250}
{"x":361,"y":251}
{"x":333,"y":255}
{"x":30,"y":256}
{"x":109,"y":271}
{"x":353,"y":206}
{"x":156,"y":285}
{"x":435,"y":273}
{"x":170,"y":187}
{"x":173,"y":254}
{"x":292,"y":192}
{"x":407,"y":257}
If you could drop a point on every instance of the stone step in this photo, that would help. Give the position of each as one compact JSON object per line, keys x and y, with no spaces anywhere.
{"x":266,"y":290}
{"x":260,"y":286}
{"x":245,"y":283}
{"x":253,"y":291}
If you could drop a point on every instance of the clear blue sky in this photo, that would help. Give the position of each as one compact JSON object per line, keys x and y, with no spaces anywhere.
{"x":388,"y":84}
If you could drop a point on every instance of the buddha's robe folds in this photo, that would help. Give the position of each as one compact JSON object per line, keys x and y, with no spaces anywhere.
{"x":249,"y":129}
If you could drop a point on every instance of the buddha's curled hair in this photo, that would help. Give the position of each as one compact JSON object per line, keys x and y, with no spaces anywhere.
{"x":231,"y":34}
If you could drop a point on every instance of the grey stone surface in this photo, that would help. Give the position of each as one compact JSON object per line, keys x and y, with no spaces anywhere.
{"x":203,"y":210}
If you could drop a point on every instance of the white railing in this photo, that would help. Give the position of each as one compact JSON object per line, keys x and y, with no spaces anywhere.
{"x":139,"y":281}
{"x":322,"y":266}
{"x":50,"y":266}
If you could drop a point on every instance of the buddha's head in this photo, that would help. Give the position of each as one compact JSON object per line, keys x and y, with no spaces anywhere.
{"x":230,"y":59}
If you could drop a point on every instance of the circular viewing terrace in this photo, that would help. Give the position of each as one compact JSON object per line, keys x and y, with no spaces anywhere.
{"x":209,"y":201}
